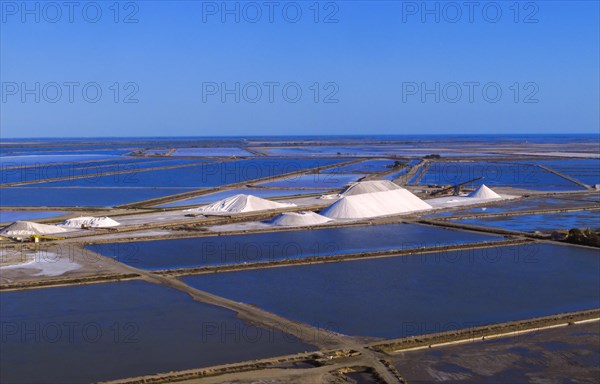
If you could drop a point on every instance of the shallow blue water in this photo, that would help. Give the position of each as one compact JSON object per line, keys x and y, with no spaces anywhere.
{"x":520,"y":205}
{"x":595,"y":198}
{"x":236,"y":249}
{"x":368,"y":166}
{"x":91,"y":170}
{"x":62,"y":151}
{"x":47,"y":159}
{"x":334,"y":151}
{"x":98,"y":332}
{"x":395,"y":175}
{"x":215,"y":151}
{"x":412,"y":295}
{"x":317,"y":180}
{"x":496,"y":174}
{"x":127,"y":188}
{"x":265,"y":193}
{"x":414,"y":178}
{"x":83,"y":197}
{"x":156,"y":151}
{"x":201,"y":176}
{"x":541,"y":222}
{"x":585,"y":170}
{"x":403,"y":171}
{"x":10,"y":216}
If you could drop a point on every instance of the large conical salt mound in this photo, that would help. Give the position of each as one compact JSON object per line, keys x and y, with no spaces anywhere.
{"x":371,"y":186}
{"x":483,"y":192}
{"x":240,"y":203}
{"x":375,"y":204}
{"x":298,"y":219}
{"x":27,"y":228}
{"x":90,"y":222}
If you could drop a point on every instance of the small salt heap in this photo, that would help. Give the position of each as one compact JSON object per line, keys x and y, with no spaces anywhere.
{"x":240,"y":203}
{"x":483,"y":192}
{"x":90,"y":222}
{"x":298,"y":219}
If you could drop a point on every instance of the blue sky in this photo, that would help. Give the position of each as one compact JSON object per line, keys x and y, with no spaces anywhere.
{"x":385,"y":67}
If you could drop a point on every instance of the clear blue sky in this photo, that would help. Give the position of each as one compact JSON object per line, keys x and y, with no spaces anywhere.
{"x":378,"y":55}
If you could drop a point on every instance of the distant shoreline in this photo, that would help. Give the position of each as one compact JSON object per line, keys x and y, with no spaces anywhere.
{"x":297,"y":137}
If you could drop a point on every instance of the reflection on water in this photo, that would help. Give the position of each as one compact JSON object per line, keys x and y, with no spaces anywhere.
{"x":108,"y":331}
{"x":411,"y":295}
{"x":236,"y":249}
{"x":542,"y":222}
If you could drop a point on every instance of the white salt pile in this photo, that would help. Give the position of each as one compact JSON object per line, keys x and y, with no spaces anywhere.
{"x":483,"y":192}
{"x":90,"y":222}
{"x":240,"y":203}
{"x":43,"y":263}
{"x":329,"y":197}
{"x":363,"y":187}
{"x":298,"y":219}
{"x":27,"y":228}
{"x":375,"y":204}
{"x":371,"y":186}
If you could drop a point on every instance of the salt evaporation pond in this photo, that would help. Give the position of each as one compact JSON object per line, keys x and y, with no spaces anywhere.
{"x":81,"y":197}
{"x":316,"y":180}
{"x":367,"y":166}
{"x":595,"y":198}
{"x":416,"y":176}
{"x":10,"y":216}
{"x":236,"y":249}
{"x":52,"y":151}
{"x":524,"y":358}
{"x":9,"y":161}
{"x":546,"y":222}
{"x":204,"y":175}
{"x":214,"y":151}
{"x":364,"y":150}
{"x":585,"y":170}
{"x":90,"y":170}
{"x":412,"y":295}
{"x":264,"y":193}
{"x":335,"y":150}
{"x":135,"y":328}
{"x":64,"y":146}
{"x":496,"y":174}
{"x":158,"y":152}
{"x":395,"y":175}
{"x":519,"y":205}
{"x":128,"y":188}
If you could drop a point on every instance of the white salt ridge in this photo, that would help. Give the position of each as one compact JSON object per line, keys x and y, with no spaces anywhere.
{"x":46,"y":264}
{"x":240,"y":203}
{"x":371,"y":186}
{"x":483,"y":192}
{"x":298,"y":219}
{"x":28,"y":228}
{"x":375,"y":204}
{"x":90,"y":222}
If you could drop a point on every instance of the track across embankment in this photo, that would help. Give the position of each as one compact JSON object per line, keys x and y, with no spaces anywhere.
{"x":403,"y":180}
{"x":566,"y":177}
{"x":483,"y":332}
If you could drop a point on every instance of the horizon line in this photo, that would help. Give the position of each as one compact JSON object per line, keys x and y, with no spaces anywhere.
{"x":297,"y":136}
